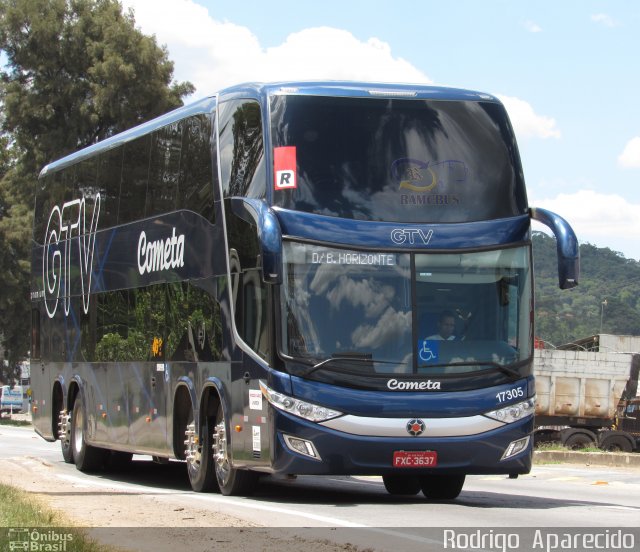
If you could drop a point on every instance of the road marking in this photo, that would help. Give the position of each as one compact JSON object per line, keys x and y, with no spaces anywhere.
{"x":216,"y":499}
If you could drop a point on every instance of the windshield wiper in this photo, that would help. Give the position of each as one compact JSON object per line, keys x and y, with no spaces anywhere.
{"x":499,"y":367}
{"x":347,"y":357}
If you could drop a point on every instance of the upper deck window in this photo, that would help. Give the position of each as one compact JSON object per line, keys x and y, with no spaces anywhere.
{"x":396,"y":159}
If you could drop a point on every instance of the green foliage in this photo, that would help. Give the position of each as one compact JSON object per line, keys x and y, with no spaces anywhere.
{"x":605,"y":301}
{"x":115,"y":348}
{"x":74,"y":72}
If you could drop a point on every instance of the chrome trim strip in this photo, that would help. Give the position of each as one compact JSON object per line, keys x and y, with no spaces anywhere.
{"x":397,"y":427}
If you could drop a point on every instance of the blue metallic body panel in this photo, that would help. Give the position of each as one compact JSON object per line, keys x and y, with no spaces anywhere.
{"x":405,"y":403}
{"x":379,"y":235}
{"x":346,"y":454}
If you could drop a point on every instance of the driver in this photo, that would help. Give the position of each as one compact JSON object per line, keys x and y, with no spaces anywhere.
{"x":446,"y":327}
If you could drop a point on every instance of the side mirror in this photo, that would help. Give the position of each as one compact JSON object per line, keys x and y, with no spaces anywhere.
{"x":258,"y":214}
{"x":567,"y":246}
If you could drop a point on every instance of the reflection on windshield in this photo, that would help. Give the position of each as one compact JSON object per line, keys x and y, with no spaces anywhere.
{"x":366,"y":312}
{"x":340,"y":303}
{"x":398,"y":159}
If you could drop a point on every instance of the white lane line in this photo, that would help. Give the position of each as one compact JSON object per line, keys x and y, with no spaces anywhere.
{"x":215,"y":499}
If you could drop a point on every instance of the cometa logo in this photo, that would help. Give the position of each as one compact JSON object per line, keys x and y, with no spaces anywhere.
{"x":155,"y":256}
{"x":427,"y":385}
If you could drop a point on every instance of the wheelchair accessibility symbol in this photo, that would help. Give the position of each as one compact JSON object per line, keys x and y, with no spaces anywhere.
{"x":428,"y":352}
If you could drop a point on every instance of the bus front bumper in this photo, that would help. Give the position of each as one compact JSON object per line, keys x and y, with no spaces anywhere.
{"x":302,"y":447}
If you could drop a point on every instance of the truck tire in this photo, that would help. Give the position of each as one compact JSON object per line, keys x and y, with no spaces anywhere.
{"x":401,"y":485}
{"x":616,"y":443}
{"x":442,"y":487}
{"x":231,"y":481}
{"x":87,"y":458}
{"x":579,"y":440}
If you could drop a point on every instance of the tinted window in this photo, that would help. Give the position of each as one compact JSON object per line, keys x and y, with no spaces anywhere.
{"x":241,"y":149}
{"x":135,"y":174}
{"x":165,"y":169}
{"x":109,"y":175}
{"x":196,"y":169}
{"x":398,"y":160}
{"x":86,"y":178}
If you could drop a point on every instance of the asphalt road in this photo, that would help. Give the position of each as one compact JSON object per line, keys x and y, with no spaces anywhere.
{"x":552,"y":496}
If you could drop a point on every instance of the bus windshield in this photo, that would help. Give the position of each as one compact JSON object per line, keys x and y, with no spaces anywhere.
{"x":398,"y":159}
{"x":373,"y":312}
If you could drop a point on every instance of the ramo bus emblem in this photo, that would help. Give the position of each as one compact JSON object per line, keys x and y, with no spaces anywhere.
{"x":415,"y":427}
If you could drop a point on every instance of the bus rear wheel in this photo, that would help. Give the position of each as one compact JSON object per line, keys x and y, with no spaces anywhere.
{"x":64,"y":432}
{"x":199,"y":455}
{"x":87,"y":458}
{"x":231,"y":481}
{"x":442,"y":487}
{"x":401,"y":484}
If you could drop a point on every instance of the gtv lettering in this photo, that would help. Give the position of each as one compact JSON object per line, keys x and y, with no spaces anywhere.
{"x":67,"y":226}
{"x":411,"y":236}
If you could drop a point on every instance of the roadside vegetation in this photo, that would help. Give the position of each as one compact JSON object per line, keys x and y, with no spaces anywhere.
{"x":10,"y":422}
{"x":23,"y":519}
{"x":562,"y":448}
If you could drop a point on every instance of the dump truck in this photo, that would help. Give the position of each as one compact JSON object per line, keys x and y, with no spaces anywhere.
{"x":587,"y":399}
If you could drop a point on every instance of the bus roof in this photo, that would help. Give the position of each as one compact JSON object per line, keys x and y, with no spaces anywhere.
{"x":265,"y":90}
{"x":356,"y":89}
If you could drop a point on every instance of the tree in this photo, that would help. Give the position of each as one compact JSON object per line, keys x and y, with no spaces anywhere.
{"x":75,"y":72}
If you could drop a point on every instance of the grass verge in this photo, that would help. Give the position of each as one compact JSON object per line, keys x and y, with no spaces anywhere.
{"x":27,"y":524}
{"x":8,"y":421}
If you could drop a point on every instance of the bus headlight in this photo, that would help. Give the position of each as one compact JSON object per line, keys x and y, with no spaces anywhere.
{"x":513,"y":412}
{"x":303,"y":409}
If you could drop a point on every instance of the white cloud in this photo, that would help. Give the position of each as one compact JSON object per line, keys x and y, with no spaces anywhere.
{"x":630,"y":157}
{"x":604,"y":19}
{"x":214,"y":54}
{"x":526,"y":122}
{"x":532,"y":27}
{"x":606,"y":220}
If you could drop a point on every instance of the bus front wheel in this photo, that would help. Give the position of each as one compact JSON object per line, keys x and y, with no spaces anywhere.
{"x":230,"y":480}
{"x":442,"y":487}
{"x":401,"y":485}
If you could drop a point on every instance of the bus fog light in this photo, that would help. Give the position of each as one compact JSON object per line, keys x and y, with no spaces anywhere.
{"x":515,"y":447}
{"x":301,"y":446}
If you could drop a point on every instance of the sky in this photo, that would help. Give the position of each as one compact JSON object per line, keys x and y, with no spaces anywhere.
{"x":568,"y":73}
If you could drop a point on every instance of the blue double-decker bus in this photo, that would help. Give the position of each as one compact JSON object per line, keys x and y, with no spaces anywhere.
{"x":294,"y":278}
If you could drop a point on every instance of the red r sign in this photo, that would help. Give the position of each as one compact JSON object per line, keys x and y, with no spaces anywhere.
{"x":284,"y":167}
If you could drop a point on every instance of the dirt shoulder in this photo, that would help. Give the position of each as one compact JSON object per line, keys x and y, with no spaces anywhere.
{"x":143,"y":522}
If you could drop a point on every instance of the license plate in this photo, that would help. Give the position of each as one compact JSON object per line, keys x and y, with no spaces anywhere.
{"x":415,"y":459}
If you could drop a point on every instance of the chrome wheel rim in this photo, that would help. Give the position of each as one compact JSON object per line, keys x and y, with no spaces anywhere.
{"x":78,"y":430}
{"x":220,"y":453}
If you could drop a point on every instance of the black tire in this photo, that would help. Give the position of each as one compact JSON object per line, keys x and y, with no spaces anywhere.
{"x":616,"y":443}
{"x":117,"y":461}
{"x":577,"y":441}
{"x":401,"y":485}
{"x":231,"y":481}
{"x":442,"y":487}
{"x":65,"y":441}
{"x":200,"y":468}
{"x":87,"y":458}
